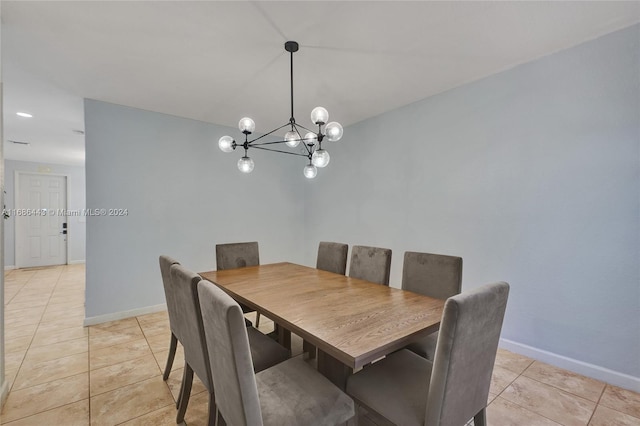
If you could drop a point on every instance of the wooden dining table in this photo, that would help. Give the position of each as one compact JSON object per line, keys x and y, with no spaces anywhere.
{"x":352,"y":322}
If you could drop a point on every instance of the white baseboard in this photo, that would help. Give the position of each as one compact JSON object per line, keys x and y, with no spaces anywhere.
{"x":4,"y":391}
{"x":99,"y":319}
{"x":9,"y":267}
{"x":75,"y":262}
{"x":590,"y":370}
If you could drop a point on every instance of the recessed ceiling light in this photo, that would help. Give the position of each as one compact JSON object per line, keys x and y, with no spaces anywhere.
{"x":24,"y":114}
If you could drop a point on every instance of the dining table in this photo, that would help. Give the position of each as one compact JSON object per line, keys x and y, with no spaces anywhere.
{"x":352,"y":322}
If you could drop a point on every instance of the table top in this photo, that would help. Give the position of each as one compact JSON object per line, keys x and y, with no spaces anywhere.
{"x":354,"y":321}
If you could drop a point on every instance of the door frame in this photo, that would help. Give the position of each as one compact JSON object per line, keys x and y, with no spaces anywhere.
{"x":16,"y":197}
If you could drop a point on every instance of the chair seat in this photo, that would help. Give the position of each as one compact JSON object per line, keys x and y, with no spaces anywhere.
{"x":396,"y":386}
{"x":292,"y":393}
{"x":265,"y":352}
{"x":425,"y":347}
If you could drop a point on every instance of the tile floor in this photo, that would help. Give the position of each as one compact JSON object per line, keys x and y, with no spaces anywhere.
{"x":65,"y":374}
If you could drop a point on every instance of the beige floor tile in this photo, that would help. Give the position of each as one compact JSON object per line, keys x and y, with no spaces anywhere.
{"x":165,"y":416}
{"x":75,"y":414}
{"x":47,"y":371}
{"x":175,"y":381}
{"x":33,"y":312}
{"x":178,"y":360}
{"x":198,"y":410}
{"x":13,"y":360}
{"x":159,"y":343}
{"x":99,"y":358}
{"x":566,"y":380}
{"x":18,"y":321}
{"x":99,"y":339}
{"x":36,"y":399}
{"x":58,"y":323}
{"x":500,"y":379}
{"x":116,"y":325}
{"x":12,"y":331}
{"x":47,"y":336}
{"x":57,"y":350}
{"x":607,"y":417}
{"x":125,"y":373}
{"x":504,"y":413}
{"x":130,"y":402}
{"x":549,"y":402}
{"x":24,"y":305}
{"x":155,"y":328}
{"x":512,"y":361}
{"x":156,"y":316}
{"x":10,"y":376}
{"x":17,"y":344}
{"x":52,"y":314}
{"x":621,"y":400}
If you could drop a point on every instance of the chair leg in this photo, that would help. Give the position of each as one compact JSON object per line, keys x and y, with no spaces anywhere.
{"x":480,"y":419}
{"x":172,"y":354}
{"x":257,"y":319}
{"x":185,"y":392}
{"x":184,"y":372}
{"x":213,"y":410}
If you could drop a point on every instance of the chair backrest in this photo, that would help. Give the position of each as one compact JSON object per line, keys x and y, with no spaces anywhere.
{"x":433,"y":275}
{"x":371,"y":264}
{"x":185,"y":284}
{"x":465,"y":354}
{"x":237,"y":255}
{"x":332,"y":257}
{"x":231,"y":366}
{"x":165,"y":270}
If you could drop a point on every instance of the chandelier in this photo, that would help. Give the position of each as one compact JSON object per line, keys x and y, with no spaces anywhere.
{"x":311,"y":141}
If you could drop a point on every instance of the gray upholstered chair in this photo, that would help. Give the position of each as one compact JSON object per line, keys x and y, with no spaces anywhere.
{"x":406,"y":389}
{"x":370,"y":264}
{"x":165,"y":270}
{"x":332,"y":257}
{"x":433,"y":275}
{"x":238,"y":255}
{"x":290,"y":393}
{"x":265,"y":351}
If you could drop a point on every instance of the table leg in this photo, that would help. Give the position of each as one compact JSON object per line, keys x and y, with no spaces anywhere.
{"x":333,"y":369}
{"x":284,"y":337}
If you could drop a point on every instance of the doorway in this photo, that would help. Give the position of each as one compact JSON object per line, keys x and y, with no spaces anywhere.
{"x":41,"y":220}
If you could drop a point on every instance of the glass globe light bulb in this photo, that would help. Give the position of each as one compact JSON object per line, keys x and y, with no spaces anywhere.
{"x":333,"y":131}
{"x":246,"y":125}
{"x":225,"y":144}
{"x":245,"y":164}
{"x":319,"y":115}
{"x":292,"y":139}
{"x":320,"y":158}
{"x":310,"y":171}
{"x":310,"y":138}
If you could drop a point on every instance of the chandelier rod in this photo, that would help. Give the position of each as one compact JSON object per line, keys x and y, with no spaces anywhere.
{"x":277,"y":150}
{"x":292,"y":119}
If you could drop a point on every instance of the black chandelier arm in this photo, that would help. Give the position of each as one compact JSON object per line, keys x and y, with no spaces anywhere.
{"x":302,"y":139}
{"x":308,"y":130}
{"x":270,"y":133}
{"x":266,"y":143}
{"x":277,"y":150}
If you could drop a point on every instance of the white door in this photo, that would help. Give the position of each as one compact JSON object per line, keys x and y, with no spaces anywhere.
{"x":41,"y":221}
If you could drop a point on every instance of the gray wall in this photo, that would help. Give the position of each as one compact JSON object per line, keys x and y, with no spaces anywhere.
{"x":531,"y":175}
{"x":183,"y":196}
{"x":75,"y":201}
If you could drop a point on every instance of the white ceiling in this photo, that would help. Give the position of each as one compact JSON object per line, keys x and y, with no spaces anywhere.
{"x":220,"y":61}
